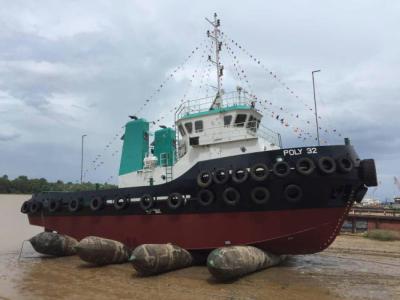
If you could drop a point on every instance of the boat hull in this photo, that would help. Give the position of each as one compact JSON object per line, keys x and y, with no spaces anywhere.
{"x":283,"y":232}
{"x":282,"y":224}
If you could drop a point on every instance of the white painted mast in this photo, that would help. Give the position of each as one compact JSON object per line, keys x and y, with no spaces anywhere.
{"x":220,"y":68}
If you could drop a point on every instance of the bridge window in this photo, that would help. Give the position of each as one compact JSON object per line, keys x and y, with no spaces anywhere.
{"x":189,"y":127}
{"x":198,"y":126}
{"x":227,"y":120}
{"x":240,"y":120}
{"x":252,"y":123}
{"x":181,"y":130}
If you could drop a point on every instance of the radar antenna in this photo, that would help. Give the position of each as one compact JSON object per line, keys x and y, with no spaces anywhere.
{"x":214,"y":35}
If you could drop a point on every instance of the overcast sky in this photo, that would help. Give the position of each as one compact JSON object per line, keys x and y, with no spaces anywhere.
{"x":69,"y":68}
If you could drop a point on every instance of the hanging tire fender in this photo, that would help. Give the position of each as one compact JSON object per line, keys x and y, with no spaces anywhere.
{"x":175,"y":200}
{"x":259,"y":172}
{"x":293,"y":193}
{"x":345,"y":164}
{"x":204,"y":179}
{"x":240,"y":175}
{"x":205,"y":197}
{"x":327,"y":165}
{"x":305,"y":166}
{"x":221,"y":176}
{"x":281,"y":169}
{"x":231,"y":196}
{"x":54,"y":205}
{"x":97,"y":203}
{"x":121,"y":203}
{"x":146,"y":201}
{"x":256,"y":192}
{"x":75,"y":205}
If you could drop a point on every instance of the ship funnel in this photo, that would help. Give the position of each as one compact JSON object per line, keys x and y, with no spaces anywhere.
{"x":135,"y":146}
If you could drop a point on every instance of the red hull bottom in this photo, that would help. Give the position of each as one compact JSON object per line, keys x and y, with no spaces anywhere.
{"x":282,"y":232}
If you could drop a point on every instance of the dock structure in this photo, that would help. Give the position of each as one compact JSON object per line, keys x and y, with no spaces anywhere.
{"x":364,"y":219}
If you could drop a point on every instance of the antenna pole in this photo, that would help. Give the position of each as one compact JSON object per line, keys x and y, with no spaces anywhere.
{"x":315,"y":106}
{"x":218,"y":45}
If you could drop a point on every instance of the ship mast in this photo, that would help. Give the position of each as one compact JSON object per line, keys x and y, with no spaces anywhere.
{"x":214,"y":35}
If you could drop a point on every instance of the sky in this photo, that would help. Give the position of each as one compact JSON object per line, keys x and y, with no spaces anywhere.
{"x":69,"y":68}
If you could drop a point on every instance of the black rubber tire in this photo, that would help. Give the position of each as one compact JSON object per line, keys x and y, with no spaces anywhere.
{"x":242,"y":178}
{"x":204,"y":179}
{"x":281,"y":169}
{"x":256,"y":191}
{"x":368,"y":172}
{"x":327,"y":165}
{"x":305,"y":166}
{"x":345,"y":165}
{"x":293,"y":193}
{"x":205,"y":197}
{"x":257,"y":175}
{"x":75,"y":205}
{"x":35,"y":206}
{"x":25,"y":207}
{"x":97,"y":204}
{"x":221,"y":176}
{"x":146,"y":201}
{"x":229,"y":200}
{"x":121,"y":203}
{"x":175,"y":200}
{"x":54,"y":205}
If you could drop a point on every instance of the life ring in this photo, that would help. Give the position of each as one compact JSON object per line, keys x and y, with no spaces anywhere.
{"x":305,"y":166}
{"x":259,"y":172}
{"x":326,"y":165}
{"x":205,"y":197}
{"x":97,"y":203}
{"x":240,"y":175}
{"x":368,"y":172}
{"x":74,"y":205}
{"x":281,"y":169}
{"x":293,"y":193}
{"x":204,"y":179}
{"x":54,"y":205}
{"x":175,"y":200}
{"x":25,"y":207}
{"x":146,"y":201}
{"x":260,"y":195}
{"x":231,"y":196}
{"x":121,"y":203}
{"x":221,"y":176}
{"x":345,"y":165}
{"x":35,"y":206}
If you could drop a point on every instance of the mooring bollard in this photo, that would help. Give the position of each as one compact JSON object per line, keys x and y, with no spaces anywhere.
{"x":100,"y":251}
{"x":228,"y":263}
{"x":151,"y":259}
{"x":51,"y":243}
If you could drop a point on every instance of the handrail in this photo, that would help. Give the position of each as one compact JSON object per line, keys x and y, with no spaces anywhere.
{"x":204,"y":104}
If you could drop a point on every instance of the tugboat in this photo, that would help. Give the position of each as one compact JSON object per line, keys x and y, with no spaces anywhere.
{"x":220,"y":179}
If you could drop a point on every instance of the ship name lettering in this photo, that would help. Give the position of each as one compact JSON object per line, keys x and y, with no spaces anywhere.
{"x":292,"y":152}
{"x":312,"y":150}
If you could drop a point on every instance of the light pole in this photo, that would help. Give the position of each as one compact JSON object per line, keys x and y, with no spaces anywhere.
{"x":83,"y":136}
{"x":315,"y":105}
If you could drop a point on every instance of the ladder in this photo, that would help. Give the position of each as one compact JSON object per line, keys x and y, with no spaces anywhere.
{"x":164,"y":162}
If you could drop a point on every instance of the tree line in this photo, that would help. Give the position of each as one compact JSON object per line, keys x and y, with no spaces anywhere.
{"x":24,"y":185}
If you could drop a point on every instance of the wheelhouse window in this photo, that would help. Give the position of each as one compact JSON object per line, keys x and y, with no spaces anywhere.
{"x":252,"y":123}
{"x":198,"y":126}
{"x":240,"y":120}
{"x":181,"y":130}
{"x":189,"y":127}
{"x":227,"y":120}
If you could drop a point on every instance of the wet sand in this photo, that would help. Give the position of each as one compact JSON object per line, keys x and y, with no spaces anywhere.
{"x":352,"y":268}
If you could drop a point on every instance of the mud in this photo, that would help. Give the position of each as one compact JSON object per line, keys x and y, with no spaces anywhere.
{"x":352,"y":268}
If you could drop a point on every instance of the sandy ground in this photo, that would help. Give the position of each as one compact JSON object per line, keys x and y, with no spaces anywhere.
{"x":352,"y":268}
